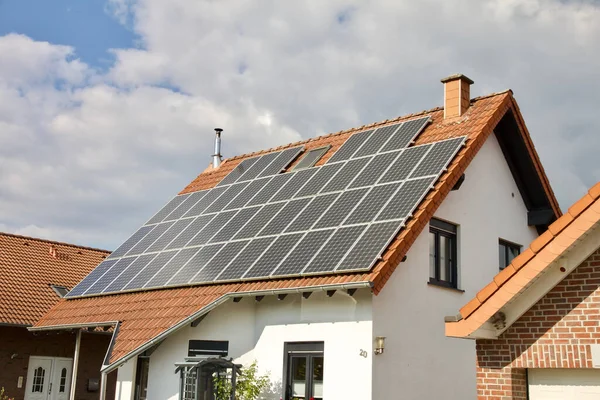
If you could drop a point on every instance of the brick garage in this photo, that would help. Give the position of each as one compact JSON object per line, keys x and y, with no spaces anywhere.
{"x":537,"y":324}
{"x":555,"y":333}
{"x":17,"y":340}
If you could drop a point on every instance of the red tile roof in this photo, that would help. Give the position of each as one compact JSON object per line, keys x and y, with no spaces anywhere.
{"x":28,"y":267}
{"x":506,"y":285}
{"x":145,"y":315}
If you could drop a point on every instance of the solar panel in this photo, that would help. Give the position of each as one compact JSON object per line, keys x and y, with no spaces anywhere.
{"x":128,"y":273}
{"x":319,"y":180}
{"x":282,"y":161}
{"x":407,"y":132}
{"x":185,"y":206}
{"x":346,"y":175}
{"x":92,"y":277}
{"x":235,"y":224}
{"x":404,"y":164}
{"x":210,"y":270}
{"x":167,"y":209}
{"x":192,"y":230}
{"x":169,"y":235}
{"x":284,"y":217}
{"x":336,"y":217}
{"x":212,"y":228}
{"x":297,"y":259}
{"x":145,"y":274}
{"x":438,"y":157}
{"x":260,"y":219}
{"x":245,"y":195}
{"x":313,"y":211}
{"x":110,"y":274}
{"x":273,"y":256}
{"x":311,"y":158}
{"x":229,"y":194}
{"x":294,"y":184}
{"x":372,"y":172}
{"x":372,"y":203}
{"x":341,"y":208}
{"x":350,"y":146}
{"x":177,"y":270}
{"x":376,"y":141}
{"x":370,"y":246}
{"x":129,"y":243}
{"x":258,"y":167}
{"x":265,"y":194}
{"x":154,"y":234}
{"x":205,"y":201}
{"x":245,"y":259}
{"x":336,"y":248}
{"x":238,"y":171}
{"x":406,"y":199}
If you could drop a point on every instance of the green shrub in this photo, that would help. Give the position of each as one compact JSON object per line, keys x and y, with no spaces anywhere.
{"x":4,"y":396}
{"x":249,"y":385}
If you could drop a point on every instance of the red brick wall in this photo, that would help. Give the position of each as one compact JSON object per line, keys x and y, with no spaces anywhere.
{"x":554,"y":333}
{"x":19,"y":341}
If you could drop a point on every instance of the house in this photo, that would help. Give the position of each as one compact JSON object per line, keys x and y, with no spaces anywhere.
{"x":537,"y":323}
{"x":330,"y":262}
{"x":35,"y":275}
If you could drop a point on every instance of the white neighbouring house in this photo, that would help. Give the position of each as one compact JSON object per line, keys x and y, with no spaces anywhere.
{"x":393,"y":261}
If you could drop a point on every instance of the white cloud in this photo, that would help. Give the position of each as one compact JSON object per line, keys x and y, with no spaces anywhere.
{"x":98,"y":153}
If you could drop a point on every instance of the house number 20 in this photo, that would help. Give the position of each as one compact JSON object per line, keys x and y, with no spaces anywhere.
{"x":363,"y":353}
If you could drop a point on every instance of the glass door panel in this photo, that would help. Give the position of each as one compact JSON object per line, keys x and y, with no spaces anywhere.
{"x":317,"y":377}
{"x":298,"y":377}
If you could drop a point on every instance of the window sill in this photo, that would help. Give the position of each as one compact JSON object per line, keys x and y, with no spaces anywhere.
{"x":442,"y":284}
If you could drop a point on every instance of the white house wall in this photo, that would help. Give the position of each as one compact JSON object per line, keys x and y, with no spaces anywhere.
{"x":258,"y":331}
{"x":419,"y":361}
{"x":124,"y":389}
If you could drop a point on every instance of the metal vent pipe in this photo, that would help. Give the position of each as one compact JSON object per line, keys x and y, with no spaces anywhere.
{"x":217,"y":155}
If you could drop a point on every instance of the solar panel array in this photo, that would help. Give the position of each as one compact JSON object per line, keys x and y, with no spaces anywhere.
{"x":258,"y":223}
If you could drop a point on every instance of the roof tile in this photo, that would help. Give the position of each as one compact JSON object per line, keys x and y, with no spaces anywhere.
{"x":580,"y":205}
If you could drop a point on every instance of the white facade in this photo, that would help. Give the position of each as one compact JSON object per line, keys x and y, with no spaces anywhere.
{"x":419,"y":362}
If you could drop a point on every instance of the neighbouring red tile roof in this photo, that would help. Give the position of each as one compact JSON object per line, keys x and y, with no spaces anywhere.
{"x":144,"y":315}
{"x":28,"y":268}
{"x":542,"y":252}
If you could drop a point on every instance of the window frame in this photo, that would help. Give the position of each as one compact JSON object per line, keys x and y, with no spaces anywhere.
{"x":508,"y":245}
{"x":448,"y":230}
{"x":305,"y":349}
{"x":323,"y":150}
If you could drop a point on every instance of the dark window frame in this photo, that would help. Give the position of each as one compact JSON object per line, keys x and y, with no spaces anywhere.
{"x":508,"y":245}
{"x":306,"y":349}
{"x":142,"y":371}
{"x":449,"y":231}
{"x":323,"y":150}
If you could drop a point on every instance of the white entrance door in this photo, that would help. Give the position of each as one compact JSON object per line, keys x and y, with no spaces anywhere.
{"x":61,"y":379}
{"x":564,"y":384}
{"x":38,"y":378}
{"x":48,"y":378}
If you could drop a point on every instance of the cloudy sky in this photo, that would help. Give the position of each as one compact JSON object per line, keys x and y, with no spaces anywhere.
{"x":107,"y":106}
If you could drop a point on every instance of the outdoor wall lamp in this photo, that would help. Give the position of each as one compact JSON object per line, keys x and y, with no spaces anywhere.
{"x":379,"y":344}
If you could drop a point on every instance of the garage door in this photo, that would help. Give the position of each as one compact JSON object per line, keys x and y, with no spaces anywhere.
{"x":564,"y":384}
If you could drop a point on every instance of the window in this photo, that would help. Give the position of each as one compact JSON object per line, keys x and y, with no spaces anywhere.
{"x":63,"y":380}
{"x":141,"y":377}
{"x":443,"y":270}
{"x":507,"y":252}
{"x":311,"y":157}
{"x":61,"y":291}
{"x":38,"y":380}
{"x":303,"y":370}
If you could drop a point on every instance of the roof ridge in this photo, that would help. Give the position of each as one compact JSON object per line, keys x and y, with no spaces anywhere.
{"x":54,"y":242}
{"x":362,"y":127}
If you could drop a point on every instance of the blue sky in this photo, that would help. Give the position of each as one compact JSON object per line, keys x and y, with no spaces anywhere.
{"x":84,"y":24}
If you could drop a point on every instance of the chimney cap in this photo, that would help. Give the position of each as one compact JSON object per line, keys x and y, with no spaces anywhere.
{"x":219,"y":130}
{"x":456,"y":77}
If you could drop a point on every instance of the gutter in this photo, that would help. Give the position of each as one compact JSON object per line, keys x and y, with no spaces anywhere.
{"x":208,"y":308}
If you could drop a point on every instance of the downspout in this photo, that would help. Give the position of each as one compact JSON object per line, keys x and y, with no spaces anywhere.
{"x":75,"y":365}
{"x":103,"y":386}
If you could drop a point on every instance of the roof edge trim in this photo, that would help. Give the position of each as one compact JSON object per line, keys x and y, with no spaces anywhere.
{"x":71,"y":326}
{"x":220,"y":300}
